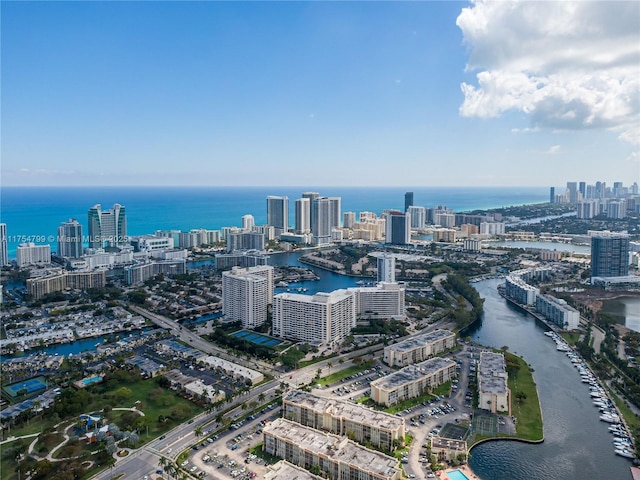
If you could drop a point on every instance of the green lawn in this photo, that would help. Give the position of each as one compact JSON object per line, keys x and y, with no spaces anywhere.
{"x":570,"y":337}
{"x":632,"y":420}
{"x":342,"y":374}
{"x":527,"y":410}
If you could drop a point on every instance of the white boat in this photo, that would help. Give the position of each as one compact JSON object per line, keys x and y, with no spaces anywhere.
{"x":609,"y":418}
{"x":624,"y":453}
{"x":549,"y":333}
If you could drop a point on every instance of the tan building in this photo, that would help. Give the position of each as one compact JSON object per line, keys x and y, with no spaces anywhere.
{"x":338,"y":456}
{"x":448,"y":449}
{"x":284,"y":470}
{"x":344,"y":418}
{"x":419,"y":348}
{"x":493,"y":392}
{"x":39,"y":287}
{"x":412,"y":381}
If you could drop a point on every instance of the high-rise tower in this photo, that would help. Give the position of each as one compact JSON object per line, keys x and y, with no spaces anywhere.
{"x":609,"y":255}
{"x":398,"y":228}
{"x":70,"y":239}
{"x":108,"y":226}
{"x":4,"y":252}
{"x":303,"y":216}
{"x":278,"y":213}
{"x":408,"y":200}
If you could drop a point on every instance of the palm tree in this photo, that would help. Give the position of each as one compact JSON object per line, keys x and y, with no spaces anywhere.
{"x":197,"y":431}
{"x":329,"y":364}
{"x":163,"y":464}
{"x":261,"y":397}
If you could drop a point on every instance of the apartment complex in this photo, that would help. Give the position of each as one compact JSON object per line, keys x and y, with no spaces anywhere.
{"x":493,"y":391}
{"x":32,"y":254}
{"x":278,"y":213}
{"x":284,"y":470}
{"x":323,"y":318}
{"x":558,"y":311}
{"x":609,"y":255}
{"x":419,"y":348}
{"x":70,"y":239}
{"x":137,"y":274}
{"x":344,"y":418}
{"x":246,"y":293}
{"x":39,"y":287}
{"x":518,"y":290}
{"x":412,"y":381}
{"x":385,"y":300}
{"x":340,"y":457}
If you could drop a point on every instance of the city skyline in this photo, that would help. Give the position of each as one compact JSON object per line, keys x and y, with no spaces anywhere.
{"x":394,"y":94}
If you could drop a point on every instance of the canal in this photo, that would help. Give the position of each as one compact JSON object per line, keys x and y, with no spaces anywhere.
{"x":577,"y":444}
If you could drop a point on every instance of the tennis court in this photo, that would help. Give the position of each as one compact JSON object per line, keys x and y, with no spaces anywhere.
{"x":485,"y":423}
{"x":32,"y":385}
{"x":256,"y":338}
{"x":454,"y":432}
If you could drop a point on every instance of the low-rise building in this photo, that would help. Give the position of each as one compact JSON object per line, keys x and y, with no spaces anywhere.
{"x":448,"y":449}
{"x":338,"y":456}
{"x":412,"y":381}
{"x":209,"y":393}
{"x":419,"y":348}
{"x":233,"y":369}
{"x":493,"y":391}
{"x":344,"y":418}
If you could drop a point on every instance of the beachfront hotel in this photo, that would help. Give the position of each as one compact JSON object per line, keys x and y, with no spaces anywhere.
{"x":246,"y":294}
{"x":340,"y":457}
{"x":493,"y":392}
{"x":344,"y":418}
{"x":412,"y":381}
{"x":419,"y":348}
{"x":323,"y":318}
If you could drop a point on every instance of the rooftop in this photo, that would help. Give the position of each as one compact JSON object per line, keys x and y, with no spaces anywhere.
{"x":492,"y":377}
{"x":412,"y":373}
{"x":349,"y":411}
{"x":421,"y":340}
{"x":338,"y":449}
{"x":284,"y":470}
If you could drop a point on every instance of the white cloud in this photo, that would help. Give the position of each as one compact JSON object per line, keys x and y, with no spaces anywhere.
{"x":567,"y":65}
{"x":553,"y":150}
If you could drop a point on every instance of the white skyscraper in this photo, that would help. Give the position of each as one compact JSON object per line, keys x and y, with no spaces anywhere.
{"x":303,"y":216}
{"x":386,"y":268}
{"x":278,"y":213}
{"x":418,"y":216}
{"x":323,"y":318}
{"x":246,"y":292}
{"x":248,"y":222}
{"x":4,"y":251}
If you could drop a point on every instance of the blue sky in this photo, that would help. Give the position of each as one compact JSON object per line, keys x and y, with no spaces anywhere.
{"x":322,"y":93}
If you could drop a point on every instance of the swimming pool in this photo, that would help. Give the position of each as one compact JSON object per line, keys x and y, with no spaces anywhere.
{"x":457,"y":475}
{"x":89,"y":381}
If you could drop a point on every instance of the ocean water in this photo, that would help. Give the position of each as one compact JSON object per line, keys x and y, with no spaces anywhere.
{"x":34,"y":213}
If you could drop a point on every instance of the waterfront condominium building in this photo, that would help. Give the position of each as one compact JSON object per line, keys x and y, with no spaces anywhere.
{"x":278,"y":213}
{"x":325,"y":216}
{"x":340,"y":457}
{"x":609,"y":255}
{"x":516,"y":289}
{"x":140,"y":273}
{"x":246,"y":294}
{"x":398,"y":228}
{"x":418,"y":348}
{"x":558,"y":311}
{"x":70,"y":239}
{"x":412,"y":381}
{"x":493,"y":391}
{"x":32,"y":254}
{"x":385,"y":300}
{"x":386,"y":264}
{"x":41,"y":286}
{"x":108,"y":226}
{"x":344,"y":418}
{"x":4,"y":250}
{"x":323,"y":318}
{"x":572,"y":192}
{"x":303,"y":216}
